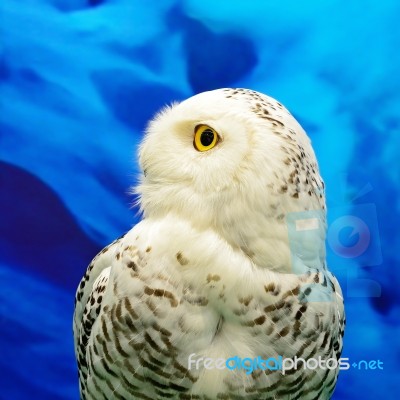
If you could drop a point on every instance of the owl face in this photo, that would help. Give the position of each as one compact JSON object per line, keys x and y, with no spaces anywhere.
{"x":226,"y":158}
{"x":200,"y":142}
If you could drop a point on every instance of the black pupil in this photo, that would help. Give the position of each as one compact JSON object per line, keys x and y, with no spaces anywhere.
{"x":207,"y":137}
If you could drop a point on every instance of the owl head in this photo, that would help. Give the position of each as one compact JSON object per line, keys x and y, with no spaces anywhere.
{"x":233,"y":160}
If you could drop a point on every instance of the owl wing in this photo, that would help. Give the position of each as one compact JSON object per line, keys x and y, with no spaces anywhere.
{"x":88,"y":300}
{"x":171,"y":291}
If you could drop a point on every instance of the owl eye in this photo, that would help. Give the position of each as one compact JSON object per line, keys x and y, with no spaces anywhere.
{"x":205,"y":138}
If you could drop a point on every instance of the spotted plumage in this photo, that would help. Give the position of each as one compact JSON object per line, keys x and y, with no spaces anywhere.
{"x":212,"y":269}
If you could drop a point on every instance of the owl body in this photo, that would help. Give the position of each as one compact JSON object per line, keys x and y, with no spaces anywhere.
{"x":209,"y":271}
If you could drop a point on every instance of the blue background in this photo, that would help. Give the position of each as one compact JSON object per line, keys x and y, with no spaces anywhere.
{"x":78,"y":81}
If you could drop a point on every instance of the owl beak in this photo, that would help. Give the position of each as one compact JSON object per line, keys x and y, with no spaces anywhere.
{"x":145,"y":173}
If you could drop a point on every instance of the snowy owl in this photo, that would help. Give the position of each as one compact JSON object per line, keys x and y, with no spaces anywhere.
{"x":222,"y":290}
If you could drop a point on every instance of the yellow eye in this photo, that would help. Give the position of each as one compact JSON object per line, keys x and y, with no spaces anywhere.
{"x":205,"y":138}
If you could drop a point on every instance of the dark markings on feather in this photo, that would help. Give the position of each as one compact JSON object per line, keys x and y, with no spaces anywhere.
{"x":131,"y":369}
{"x":276,"y":306}
{"x":316,"y":387}
{"x":119,"y":347}
{"x":162,"y":293}
{"x":93,"y":368}
{"x":104,"y":329}
{"x":132,"y":265}
{"x":154,"y":345}
{"x":169,"y":345}
{"x":106,"y":354}
{"x":160,"y":329}
{"x":213,"y":278}
{"x":336,"y":346}
{"x":184,"y":371}
{"x":283,"y":189}
{"x":113,"y":391}
{"x":303,"y":308}
{"x":274,"y":121}
{"x":271,"y":287}
{"x":274,"y":206}
{"x":161,"y":372}
{"x":280,"y":217}
{"x":178,"y":388}
{"x":284,"y":331}
{"x":151,"y":306}
{"x":95,"y":349}
{"x":107,"y":368}
{"x":269,"y":329}
{"x":157,"y":364}
{"x":256,"y":374}
{"x":268,"y":388}
{"x":145,"y":364}
{"x":118,"y":396}
{"x":118,"y":312}
{"x":130,"y":248}
{"x":138,"y":346}
{"x":325,"y":340}
{"x":293,"y":292}
{"x":240,"y":311}
{"x":130,"y":324}
{"x":258,"y":321}
{"x":275,"y":319}
{"x":295,"y":385}
{"x":164,"y":395}
{"x":197,"y":300}
{"x":313,"y":352}
{"x":181,"y":259}
{"x":316,"y":321}
{"x":303,"y":347}
{"x":245,"y":300}
{"x":307,"y":291}
{"x":99,"y":391}
{"x":139,"y":395}
{"x":130,"y":309}
{"x":330,"y":383}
